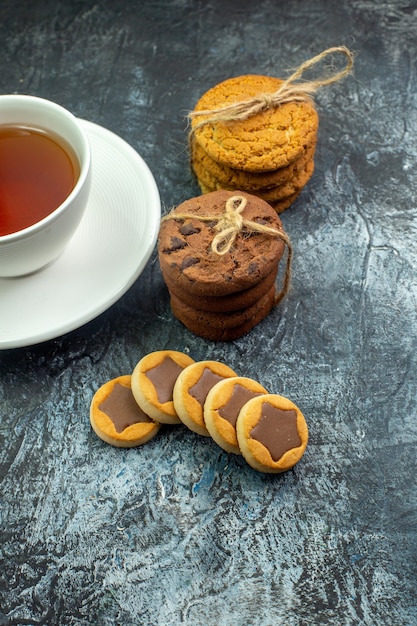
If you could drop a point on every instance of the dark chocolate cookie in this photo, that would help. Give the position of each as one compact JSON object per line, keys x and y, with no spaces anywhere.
{"x":185,"y":246}
{"x":224,"y":304}
{"x":223,"y":326}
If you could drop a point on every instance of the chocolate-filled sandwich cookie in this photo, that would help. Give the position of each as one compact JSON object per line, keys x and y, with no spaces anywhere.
{"x":116,"y":417}
{"x":191,"y":389}
{"x":222,"y":406}
{"x":153,"y":381}
{"x":272,"y":433}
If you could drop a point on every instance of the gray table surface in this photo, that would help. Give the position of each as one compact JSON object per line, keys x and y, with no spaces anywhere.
{"x":178,"y":531}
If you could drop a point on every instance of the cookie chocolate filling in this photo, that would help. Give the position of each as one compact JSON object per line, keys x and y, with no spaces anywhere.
{"x":201,"y":388}
{"x":121,"y":407}
{"x":277,"y":430}
{"x":163,"y":377}
{"x":239,"y":397}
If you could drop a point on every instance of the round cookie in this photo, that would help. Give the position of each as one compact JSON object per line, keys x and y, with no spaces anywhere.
{"x":197,"y":325}
{"x":222,"y":407}
{"x":272,"y":433}
{"x":278,"y":205}
{"x":280,"y":190}
{"x":266,"y":141}
{"x":153,"y":382}
{"x":191,"y":389}
{"x":223,"y":320}
{"x":221,"y":334}
{"x":282,"y":205}
{"x":224,"y":304}
{"x":116,"y":417}
{"x":186,"y":257}
{"x":230,"y":178}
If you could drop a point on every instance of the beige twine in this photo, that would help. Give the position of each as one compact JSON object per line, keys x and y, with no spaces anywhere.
{"x":230,"y":223}
{"x":289,"y":91}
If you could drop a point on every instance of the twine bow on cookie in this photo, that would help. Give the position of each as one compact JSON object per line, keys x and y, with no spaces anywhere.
{"x":289,"y":91}
{"x":228,"y":226}
{"x":232,"y":222}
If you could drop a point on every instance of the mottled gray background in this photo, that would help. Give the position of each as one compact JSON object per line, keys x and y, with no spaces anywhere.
{"x":178,"y":531}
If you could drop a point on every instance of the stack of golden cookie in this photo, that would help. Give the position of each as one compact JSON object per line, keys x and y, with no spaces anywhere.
{"x":269,"y":154}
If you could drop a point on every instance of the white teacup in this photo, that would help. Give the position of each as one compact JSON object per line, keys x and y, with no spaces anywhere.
{"x":35,"y":246}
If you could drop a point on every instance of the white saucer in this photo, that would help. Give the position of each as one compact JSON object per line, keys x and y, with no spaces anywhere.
{"x":104,"y":258}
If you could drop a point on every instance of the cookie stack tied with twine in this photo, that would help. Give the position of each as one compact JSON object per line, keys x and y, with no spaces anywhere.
{"x":258,"y":133}
{"x":219,"y":255}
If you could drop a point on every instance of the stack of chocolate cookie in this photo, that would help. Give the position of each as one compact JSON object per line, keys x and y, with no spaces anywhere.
{"x":269,"y":154}
{"x":221,"y":295}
